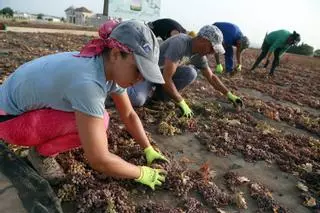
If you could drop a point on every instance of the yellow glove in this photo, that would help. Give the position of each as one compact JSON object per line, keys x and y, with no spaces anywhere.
{"x":151,"y":177}
{"x":185,"y":109}
{"x":219,"y":68}
{"x":239,"y":67}
{"x":234,"y":99}
{"x":152,"y":155}
{"x":192,"y":34}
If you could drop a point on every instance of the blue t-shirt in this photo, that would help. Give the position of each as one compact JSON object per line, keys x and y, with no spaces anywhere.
{"x":59,"y":81}
{"x":231,"y":32}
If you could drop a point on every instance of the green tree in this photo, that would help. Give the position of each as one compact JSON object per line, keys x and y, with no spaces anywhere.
{"x":40,"y":16}
{"x":7,"y":11}
{"x":302,"y":49}
{"x":317,"y":53}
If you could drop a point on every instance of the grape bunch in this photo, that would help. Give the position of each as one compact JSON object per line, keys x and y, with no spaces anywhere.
{"x":264,"y":199}
{"x":213,"y":195}
{"x":78,"y":174}
{"x":157,"y":207}
{"x":179,"y":179}
{"x":107,"y":198}
{"x":77,"y":168}
{"x":67,"y":192}
{"x":168,"y":129}
{"x":193,"y":205}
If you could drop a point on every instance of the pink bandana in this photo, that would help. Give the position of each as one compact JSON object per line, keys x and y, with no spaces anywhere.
{"x":96,"y":46}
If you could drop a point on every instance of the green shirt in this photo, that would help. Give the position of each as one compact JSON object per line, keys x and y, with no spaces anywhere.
{"x":278,"y":39}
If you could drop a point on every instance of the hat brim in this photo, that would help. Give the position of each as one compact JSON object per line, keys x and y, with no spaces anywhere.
{"x":149,"y":70}
{"x":218,"y":48}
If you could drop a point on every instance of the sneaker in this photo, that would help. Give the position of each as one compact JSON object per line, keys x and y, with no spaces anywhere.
{"x":47,"y":167}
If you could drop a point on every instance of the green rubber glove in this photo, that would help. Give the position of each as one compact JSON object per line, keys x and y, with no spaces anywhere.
{"x":185,"y":109}
{"x":239,"y":67}
{"x":234,"y":99}
{"x":219,"y":68}
{"x":152,"y":155}
{"x":151,"y":177}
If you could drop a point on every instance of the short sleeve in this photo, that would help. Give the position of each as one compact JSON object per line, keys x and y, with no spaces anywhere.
{"x":87,"y":98}
{"x":200,"y":62}
{"x":237,"y":36}
{"x":175,"y":50}
{"x":116,"y":89}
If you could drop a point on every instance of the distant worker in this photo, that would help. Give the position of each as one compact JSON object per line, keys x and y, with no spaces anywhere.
{"x":276,"y":42}
{"x":165,"y":28}
{"x":232,"y":36}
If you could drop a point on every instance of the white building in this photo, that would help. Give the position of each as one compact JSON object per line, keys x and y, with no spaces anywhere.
{"x":77,"y":15}
{"x":22,"y":15}
{"x":51,"y":18}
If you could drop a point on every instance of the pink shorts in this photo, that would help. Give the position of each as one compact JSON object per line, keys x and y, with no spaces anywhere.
{"x":50,"y":131}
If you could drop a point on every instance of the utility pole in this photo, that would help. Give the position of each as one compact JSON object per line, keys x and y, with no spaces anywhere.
{"x":105,"y":7}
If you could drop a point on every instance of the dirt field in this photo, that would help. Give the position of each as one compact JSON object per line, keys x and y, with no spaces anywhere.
{"x":48,"y":25}
{"x":265,"y":158}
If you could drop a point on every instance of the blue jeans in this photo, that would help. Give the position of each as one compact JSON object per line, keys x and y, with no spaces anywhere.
{"x":140,"y":92}
{"x":228,"y":58}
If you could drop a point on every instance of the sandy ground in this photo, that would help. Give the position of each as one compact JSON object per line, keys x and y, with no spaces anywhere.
{"x":282,"y":184}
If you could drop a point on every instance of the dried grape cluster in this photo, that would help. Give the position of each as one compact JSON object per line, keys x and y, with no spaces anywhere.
{"x":188,"y":205}
{"x":213,"y":195}
{"x":264,"y":199}
{"x":107,"y":198}
{"x":67,"y":192}
{"x":183,"y":181}
{"x":167,"y":129}
{"x":169,"y":120}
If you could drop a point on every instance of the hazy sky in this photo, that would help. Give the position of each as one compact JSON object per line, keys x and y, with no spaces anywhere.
{"x":254,"y":18}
